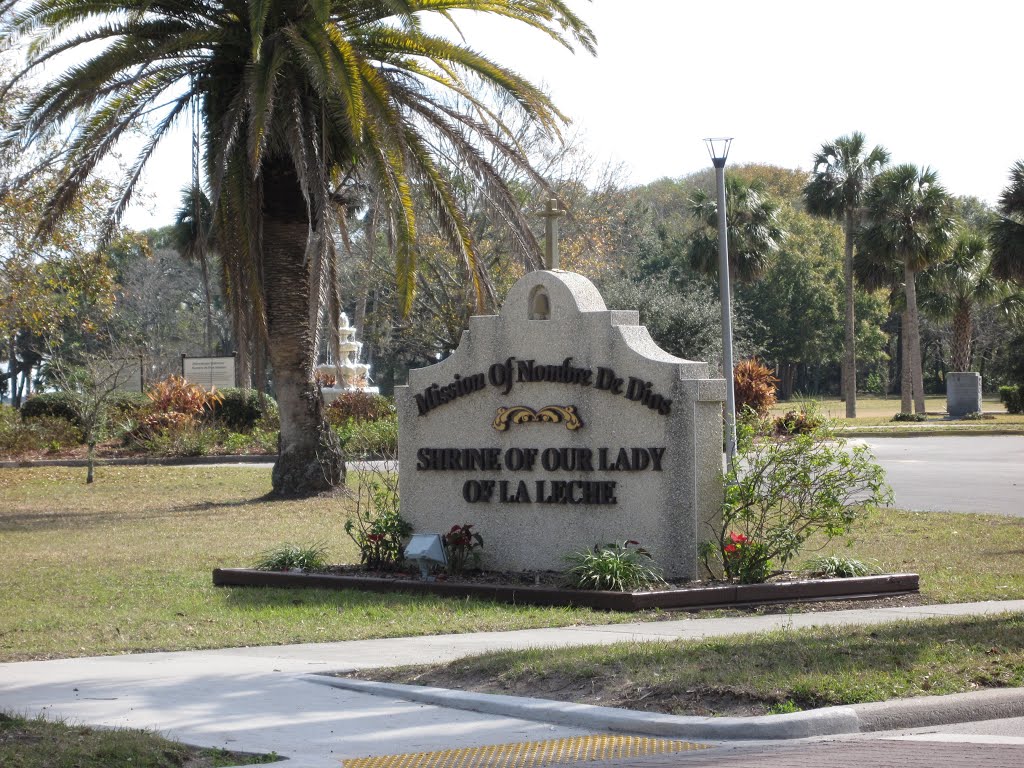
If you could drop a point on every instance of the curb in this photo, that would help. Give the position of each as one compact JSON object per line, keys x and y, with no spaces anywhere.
{"x":925,"y":711}
{"x":897,"y":714}
{"x":862,"y":432}
{"x":796,"y":725}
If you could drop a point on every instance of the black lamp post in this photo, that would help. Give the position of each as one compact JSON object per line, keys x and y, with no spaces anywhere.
{"x":718,"y":148}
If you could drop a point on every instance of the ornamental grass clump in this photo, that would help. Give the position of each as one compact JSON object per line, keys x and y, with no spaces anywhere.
{"x":754,"y":386}
{"x":836,"y":567}
{"x":781,"y":492}
{"x":620,"y":567}
{"x":289,"y":557}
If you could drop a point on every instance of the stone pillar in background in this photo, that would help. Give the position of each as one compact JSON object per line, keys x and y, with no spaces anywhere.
{"x":963,"y":394}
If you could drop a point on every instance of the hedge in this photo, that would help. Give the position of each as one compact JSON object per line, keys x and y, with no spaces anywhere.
{"x":239,"y":409}
{"x":1012,"y":398}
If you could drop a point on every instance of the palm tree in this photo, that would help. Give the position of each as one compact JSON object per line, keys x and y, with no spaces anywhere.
{"x":843,"y":173}
{"x":1007,"y":234}
{"x":192,"y":237}
{"x":957,"y":287}
{"x":753,"y":230}
{"x":298,"y":102}
{"x":910,"y":223}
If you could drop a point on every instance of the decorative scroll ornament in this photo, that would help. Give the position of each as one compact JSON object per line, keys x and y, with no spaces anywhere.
{"x":549,"y":414}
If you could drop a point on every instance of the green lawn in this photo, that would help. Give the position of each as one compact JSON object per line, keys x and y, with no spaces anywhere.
{"x":125,"y":565}
{"x":875,"y":412}
{"x":39,"y":743}
{"x":960,"y":557}
{"x":767,"y":672}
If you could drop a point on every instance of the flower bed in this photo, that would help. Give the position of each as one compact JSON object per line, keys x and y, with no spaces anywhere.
{"x":687,"y":596}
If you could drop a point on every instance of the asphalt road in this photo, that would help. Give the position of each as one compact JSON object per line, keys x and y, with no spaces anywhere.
{"x":954,"y":473}
{"x":984,"y":744}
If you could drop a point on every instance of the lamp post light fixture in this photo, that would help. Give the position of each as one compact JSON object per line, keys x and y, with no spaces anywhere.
{"x":718,"y":148}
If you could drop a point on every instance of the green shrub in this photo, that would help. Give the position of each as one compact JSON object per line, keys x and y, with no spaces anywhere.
{"x":124,"y":406}
{"x":377,"y":527}
{"x":285,"y":557}
{"x":877,"y":383}
{"x":909,"y":417}
{"x":236,"y":443}
{"x":49,"y":433}
{"x":621,"y":567}
{"x":359,"y":406}
{"x":54,"y":404}
{"x":55,"y":433}
{"x":239,"y":409}
{"x":462,"y":547}
{"x":747,"y":560}
{"x":977,"y":416}
{"x":257,"y":441}
{"x":363,"y":439}
{"x":182,"y":436}
{"x":780,"y":492}
{"x":265,"y":439}
{"x":1013,"y":398}
{"x":797,"y":423}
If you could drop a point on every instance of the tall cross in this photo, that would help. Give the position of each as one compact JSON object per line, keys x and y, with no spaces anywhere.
{"x":551,"y":215}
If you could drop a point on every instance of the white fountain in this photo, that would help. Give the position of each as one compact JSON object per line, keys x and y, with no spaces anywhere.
{"x":347,"y":374}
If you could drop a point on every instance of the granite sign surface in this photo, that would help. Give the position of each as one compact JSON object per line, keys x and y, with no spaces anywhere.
{"x":557,"y":425}
{"x":963,"y":394}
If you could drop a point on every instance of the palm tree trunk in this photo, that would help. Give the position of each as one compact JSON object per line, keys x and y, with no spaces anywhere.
{"x":364,"y":278}
{"x":243,"y":368}
{"x":962,"y":331}
{"x":850,"y":336}
{"x":309,"y":458}
{"x":913,"y":337}
{"x":906,"y":377}
{"x":204,"y":269}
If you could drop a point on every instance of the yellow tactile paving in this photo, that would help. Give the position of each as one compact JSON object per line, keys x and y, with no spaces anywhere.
{"x":531,"y":754}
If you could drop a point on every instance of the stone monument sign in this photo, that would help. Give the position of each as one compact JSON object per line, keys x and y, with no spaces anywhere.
{"x":557,"y":425}
{"x":963,"y":394}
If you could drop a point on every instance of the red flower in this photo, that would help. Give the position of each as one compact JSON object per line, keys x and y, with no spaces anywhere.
{"x":730,"y":549}
{"x":738,"y":538}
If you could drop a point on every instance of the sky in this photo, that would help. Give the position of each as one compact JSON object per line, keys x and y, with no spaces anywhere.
{"x":937,"y":83}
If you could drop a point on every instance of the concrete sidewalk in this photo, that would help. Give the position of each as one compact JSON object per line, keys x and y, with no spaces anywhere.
{"x":264,"y":699}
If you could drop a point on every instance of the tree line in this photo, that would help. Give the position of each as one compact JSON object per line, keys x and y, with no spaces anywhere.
{"x":347,"y":158}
